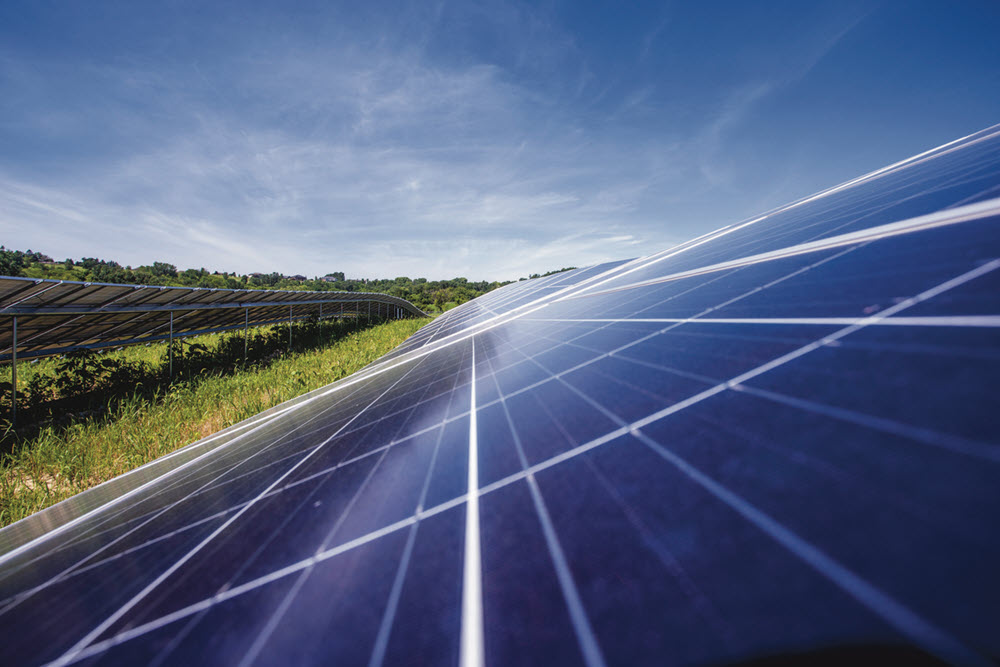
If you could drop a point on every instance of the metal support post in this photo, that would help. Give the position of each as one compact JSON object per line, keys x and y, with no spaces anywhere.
{"x":13,"y":377}
{"x":246,"y":331}
{"x":171,"y":345}
{"x":369,"y":310}
{"x":289,"y":327}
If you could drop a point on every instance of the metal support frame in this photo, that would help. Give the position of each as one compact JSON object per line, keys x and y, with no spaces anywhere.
{"x":246,"y":332}
{"x":13,"y":377}
{"x":128,"y":314}
{"x":171,"y":345}
{"x":289,"y":327}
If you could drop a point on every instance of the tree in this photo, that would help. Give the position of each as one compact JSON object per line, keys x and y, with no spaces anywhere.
{"x":164,"y":269}
{"x":11,"y":262}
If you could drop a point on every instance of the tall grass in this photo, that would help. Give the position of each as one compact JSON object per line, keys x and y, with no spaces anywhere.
{"x":60,"y":460}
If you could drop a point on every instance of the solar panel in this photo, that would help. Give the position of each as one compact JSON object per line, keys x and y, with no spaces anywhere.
{"x":778,"y":439}
{"x":56,"y":316}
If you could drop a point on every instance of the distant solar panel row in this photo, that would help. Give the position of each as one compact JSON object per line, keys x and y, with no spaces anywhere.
{"x":778,"y":439}
{"x":55,"y":316}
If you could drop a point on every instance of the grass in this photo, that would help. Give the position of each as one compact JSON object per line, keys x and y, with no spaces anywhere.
{"x":58,"y":460}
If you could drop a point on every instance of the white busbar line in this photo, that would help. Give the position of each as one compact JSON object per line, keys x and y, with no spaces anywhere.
{"x":472,"y":653}
{"x":987,"y":321}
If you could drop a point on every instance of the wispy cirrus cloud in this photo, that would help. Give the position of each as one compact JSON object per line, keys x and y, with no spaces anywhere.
{"x":494,"y":139}
{"x":385,"y":152}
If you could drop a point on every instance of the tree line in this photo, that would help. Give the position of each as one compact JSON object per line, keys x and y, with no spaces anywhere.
{"x":428,"y":295}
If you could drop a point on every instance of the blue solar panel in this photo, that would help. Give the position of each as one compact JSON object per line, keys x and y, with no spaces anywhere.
{"x":777,"y":440}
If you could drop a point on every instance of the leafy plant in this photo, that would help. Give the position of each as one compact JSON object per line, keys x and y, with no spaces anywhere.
{"x":148,"y":417}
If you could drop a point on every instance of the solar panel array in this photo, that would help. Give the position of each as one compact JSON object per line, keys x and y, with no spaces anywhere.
{"x":777,"y":439}
{"x":55,"y":316}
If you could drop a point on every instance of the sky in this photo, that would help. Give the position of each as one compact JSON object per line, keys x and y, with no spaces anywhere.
{"x":487,"y":140}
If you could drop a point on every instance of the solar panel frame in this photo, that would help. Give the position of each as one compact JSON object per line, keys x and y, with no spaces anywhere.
{"x":60,"y":316}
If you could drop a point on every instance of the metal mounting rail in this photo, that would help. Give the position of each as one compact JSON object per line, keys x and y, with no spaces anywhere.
{"x":50,"y":317}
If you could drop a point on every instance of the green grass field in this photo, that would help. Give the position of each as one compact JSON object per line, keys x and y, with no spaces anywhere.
{"x":59,"y":460}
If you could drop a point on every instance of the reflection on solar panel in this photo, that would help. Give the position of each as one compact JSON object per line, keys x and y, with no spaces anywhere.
{"x":780,"y":438}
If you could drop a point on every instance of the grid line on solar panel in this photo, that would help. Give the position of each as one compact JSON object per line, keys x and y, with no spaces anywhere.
{"x":389,"y":616}
{"x":974,"y":321}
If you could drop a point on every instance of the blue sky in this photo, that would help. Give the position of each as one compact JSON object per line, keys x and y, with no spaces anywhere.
{"x":483,"y":139}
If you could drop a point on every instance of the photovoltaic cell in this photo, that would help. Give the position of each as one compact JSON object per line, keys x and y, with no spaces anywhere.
{"x":777,"y":440}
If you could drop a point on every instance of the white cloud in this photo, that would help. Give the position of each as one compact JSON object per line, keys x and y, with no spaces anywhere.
{"x":308,"y":156}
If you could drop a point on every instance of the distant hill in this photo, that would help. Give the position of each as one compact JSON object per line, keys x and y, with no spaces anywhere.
{"x":428,"y":295}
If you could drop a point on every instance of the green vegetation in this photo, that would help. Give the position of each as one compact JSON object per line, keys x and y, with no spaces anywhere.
{"x":100,"y":415}
{"x":431,"y":296}
{"x":89,"y":416}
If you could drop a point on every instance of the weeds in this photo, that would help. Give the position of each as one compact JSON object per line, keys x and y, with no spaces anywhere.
{"x":127,"y":413}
